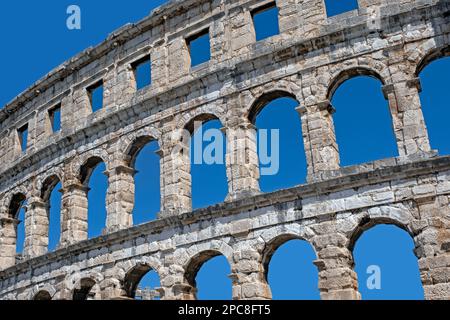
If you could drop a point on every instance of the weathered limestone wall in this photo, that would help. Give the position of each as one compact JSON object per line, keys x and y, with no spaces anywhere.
{"x":307,"y":61}
{"x":247,"y":232}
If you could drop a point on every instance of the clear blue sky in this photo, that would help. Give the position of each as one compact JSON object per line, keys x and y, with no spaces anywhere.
{"x":37,"y":41}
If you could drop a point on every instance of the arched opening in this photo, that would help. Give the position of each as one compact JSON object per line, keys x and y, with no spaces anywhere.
{"x":363,"y":122}
{"x":209,"y":183}
{"x":208,"y":272}
{"x":51,"y":196}
{"x":42,"y":296}
{"x":16,"y":229}
{"x":85,"y":290}
{"x":143,"y":283}
{"x":21,"y":231}
{"x":281,"y":151}
{"x":146,"y":162}
{"x":386,"y":265}
{"x":290,"y":271}
{"x":434,"y":99}
{"x":93,"y":177}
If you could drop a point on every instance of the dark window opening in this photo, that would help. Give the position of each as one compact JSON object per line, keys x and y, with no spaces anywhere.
{"x":55,"y":118}
{"x":143,"y":72}
{"x":265,"y":21}
{"x":199,"y":48}
{"x":335,"y":7}
{"x":96,"y":96}
{"x":23,"y":137}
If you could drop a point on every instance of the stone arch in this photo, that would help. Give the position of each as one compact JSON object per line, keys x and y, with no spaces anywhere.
{"x":349,"y":121}
{"x":367,"y":258}
{"x":43,"y":296}
{"x":84,"y":164}
{"x":432,"y":95}
{"x":254,"y":100}
{"x":124,"y":188}
{"x":181,"y":152}
{"x":41,"y":209}
{"x":130,"y":145}
{"x":274,"y":238}
{"x":83,"y":290}
{"x":8,"y":199}
{"x":368,"y":222}
{"x":275,"y":243}
{"x":47,"y":186}
{"x":42,"y":292}
{"x":85,"y":285}
{"x":263,"y":100}
{"x":202,"y":253}
{"x":201,"y":117}
{"x":275,"y":107}
{"x":15,"y":203}
{"x":187,"y":124}
{"x":135,"y":274}
{"x":426,"y":53}
{"x":88,"y":167}
{"x":344,"y":75}
{"x":430,"y":57}
{"x":45,"y":180}
{"x":196,"y":263}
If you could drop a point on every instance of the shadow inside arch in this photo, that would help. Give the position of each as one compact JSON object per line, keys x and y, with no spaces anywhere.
{"x":42,"y":296}
{"x":134,"y":277}
{"x":84,"y":291}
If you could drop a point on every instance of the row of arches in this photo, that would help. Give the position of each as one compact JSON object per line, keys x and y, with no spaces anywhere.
{"x":359,"y":142}
{"x":289,"y":271}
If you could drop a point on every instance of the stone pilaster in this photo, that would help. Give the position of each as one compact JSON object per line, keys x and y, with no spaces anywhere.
{"x":408,"y":121}
{"x":175,"y":286}
{"x":176,"y":196}
{"x":8,"y":242}
{"x":74,"y":227}
{"x":337,"y":279}
{"x":248,"y":276}
{"x":179,"y":59}
{"x":313,"y":15}
{"x":120,"y":198}
{"x":125,"y":84}
{"x":242,"y":161}
{"x":289,"y":15}
{"x":242,"y":32}
{"x":433,"y":247}
{"x":322,"y":153}
{"x":36,"y":229}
